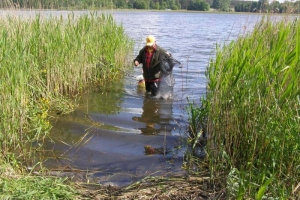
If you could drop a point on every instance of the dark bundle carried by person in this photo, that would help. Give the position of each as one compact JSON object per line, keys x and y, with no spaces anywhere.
{"x":157,"y":69}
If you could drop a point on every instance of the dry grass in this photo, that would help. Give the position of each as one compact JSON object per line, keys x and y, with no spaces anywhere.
{"x":156,"y":188}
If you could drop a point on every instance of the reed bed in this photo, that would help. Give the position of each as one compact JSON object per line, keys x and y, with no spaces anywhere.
{"x":253,"y":106}
{"x":45,"y":62}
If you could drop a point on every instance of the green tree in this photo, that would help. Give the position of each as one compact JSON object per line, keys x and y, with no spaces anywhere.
{"x":171,"y":3}
{"x":297,"y":7}
{"x":246,"y":7}
{"x":157,"y":6}
{"x":184,"y":3}
{"x":223,"y":5}
{"x":242,"y":7}
{"x":140,"y":4}
{"x":199,"y":5}
{"x":130,"y":3}
{"x":210,"y":2}
{"x":216,"y":4}
{"x":263,"y":5}
{"x":287,"y":7}
{"x":163,"y":5}
{"x":152,"y":5}
{"x":177,"y":5}
{"x":254,"y":7}
{"x":121,"y":4}
{"x":275,"y":6}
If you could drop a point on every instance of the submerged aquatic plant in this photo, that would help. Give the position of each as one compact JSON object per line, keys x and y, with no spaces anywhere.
{"x":253,"y":111}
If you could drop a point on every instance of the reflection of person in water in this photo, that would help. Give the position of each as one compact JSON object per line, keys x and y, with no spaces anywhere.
{"x":156,"y":117}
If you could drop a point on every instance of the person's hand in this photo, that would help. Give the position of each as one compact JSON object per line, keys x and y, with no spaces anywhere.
{"x":136,"y":63}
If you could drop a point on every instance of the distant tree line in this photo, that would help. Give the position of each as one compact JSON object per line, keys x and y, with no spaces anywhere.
{"x":199,"y":5}
{"x":262,"y":6}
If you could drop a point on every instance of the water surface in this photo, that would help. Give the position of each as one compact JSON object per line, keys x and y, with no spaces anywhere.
{"x":106,"y":135}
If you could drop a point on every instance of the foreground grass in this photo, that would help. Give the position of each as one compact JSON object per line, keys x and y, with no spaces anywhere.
{"x":17,"y":185}
{"x":45,"y":63}
{"x":253,"y":112}
{"x":36,"y":187}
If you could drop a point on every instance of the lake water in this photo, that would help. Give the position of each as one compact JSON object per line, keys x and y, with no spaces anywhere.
{"x":106,"y":135}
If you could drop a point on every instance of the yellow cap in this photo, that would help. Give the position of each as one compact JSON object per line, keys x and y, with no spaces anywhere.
{"x":150,"y":40}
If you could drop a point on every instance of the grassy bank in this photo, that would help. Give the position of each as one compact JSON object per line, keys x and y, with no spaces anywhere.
{"x":45,"y":63}
{"x":253,"y":106}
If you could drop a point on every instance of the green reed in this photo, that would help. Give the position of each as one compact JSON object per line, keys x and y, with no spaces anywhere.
{"x":47,"y":60}
{"x":254,"y":112}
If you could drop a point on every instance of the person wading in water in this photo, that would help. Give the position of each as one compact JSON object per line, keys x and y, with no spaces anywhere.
{"x":150,"y":56}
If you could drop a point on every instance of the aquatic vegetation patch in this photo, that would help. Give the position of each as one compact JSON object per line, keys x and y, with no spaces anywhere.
{"x":46,"y":64}
{"x":253,"y":103}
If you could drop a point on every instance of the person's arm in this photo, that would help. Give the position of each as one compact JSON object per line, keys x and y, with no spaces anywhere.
{"x":138,"y":59}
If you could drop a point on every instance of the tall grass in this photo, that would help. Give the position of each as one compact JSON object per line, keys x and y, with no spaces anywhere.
{"x":45,"y":61}
{"x":254,"y":112}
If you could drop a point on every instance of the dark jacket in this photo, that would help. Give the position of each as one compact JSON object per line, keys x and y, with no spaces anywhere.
{"x":155,"y":66}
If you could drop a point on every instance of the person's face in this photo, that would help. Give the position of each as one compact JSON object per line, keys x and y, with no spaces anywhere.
{"x":149,"y":48}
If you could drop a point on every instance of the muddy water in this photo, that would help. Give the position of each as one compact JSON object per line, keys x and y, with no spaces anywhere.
{"x":106,"y":135}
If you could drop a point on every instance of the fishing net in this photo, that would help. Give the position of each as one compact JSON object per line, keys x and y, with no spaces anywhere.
{"x":167,"y":81}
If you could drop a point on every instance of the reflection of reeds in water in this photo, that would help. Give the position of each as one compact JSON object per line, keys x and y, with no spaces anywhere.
{"x":45,"y":62}
{"x":253,"y":111}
